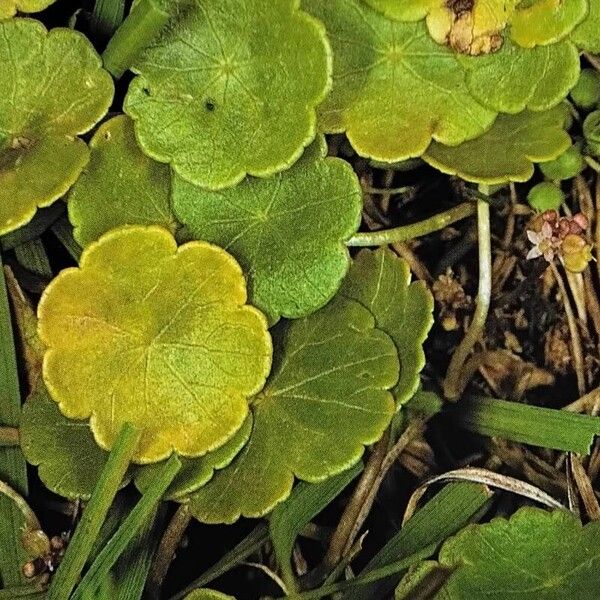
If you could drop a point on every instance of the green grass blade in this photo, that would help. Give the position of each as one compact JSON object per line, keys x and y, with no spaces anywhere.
{"x":63,"y":230}
{"x":13,"y":469}
{"x":133,"y":567}
{"x":289,"y":518}
{"x":94,"y":514}
{"x":446,"y":513}
{"x":140,"y":27}
{"x":544,"y":427}
{"x":32,"y":256}
{"x":106,"y":17}
{"x":137,"y":518}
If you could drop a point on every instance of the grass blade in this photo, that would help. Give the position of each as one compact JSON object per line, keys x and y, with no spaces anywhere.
{"x":290,"y":518}
{"x":133,"y":567}
{"x":446,"y":513}
{"x":106,"y":17}
{"x":63,"y":230}
{"x":140,"y":27}
{"x":32,"y":256}
{"x":140,"y":515}
{"x":13,"y":469}
{"x":94,"y":514}
{"x":544,"y":427}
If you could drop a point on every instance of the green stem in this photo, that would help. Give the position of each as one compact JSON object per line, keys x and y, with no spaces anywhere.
{"x":140,"y":27}
{"x":384,"y":191}
{"x":94,"y":514}
{"x":415,"y":230}
{"x":455,"y":383}
{"x":594,"y":164}
{"x":30,"y":518}
{"x":9,"y":436}
{"x":140,"y":515}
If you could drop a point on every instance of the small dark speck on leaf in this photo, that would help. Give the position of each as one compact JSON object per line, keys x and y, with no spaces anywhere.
{"x":209,"y":105}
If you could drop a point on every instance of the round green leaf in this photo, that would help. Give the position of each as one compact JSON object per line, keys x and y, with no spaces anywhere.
{"x":586,"y":93}
{"x":516,"y":78}
{"x":380,"y":281}
{"x":9,"y":8}
{"x":218,"y":101}
{"x":326,"y":398}
{"x":377,"y":62}
{"x":52,"y":89}
{"x":507,"y":151}
{"x":68,"y":459}
{"x":587,"y":34}
{"x":119,"y":186}
{"x":287,"y":232}
{"x":545,"y":196}
{"x":568,"y":165}
{"x":535,"y":555}
{"x":196,"y":472}
{"x":546,"y":21}
{"x":157,"y":336}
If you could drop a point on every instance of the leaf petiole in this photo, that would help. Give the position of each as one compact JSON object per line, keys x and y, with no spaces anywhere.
{"x":9,"y":436}
{"x":414,"y":230}
{"x":455,"y":383}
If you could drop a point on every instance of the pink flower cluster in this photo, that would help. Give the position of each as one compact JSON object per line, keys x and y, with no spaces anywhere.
{"x":552,"y":235}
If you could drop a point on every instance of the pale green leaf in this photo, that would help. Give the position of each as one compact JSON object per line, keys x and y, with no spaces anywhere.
{"x":546,"y":21}
{"x":9,"y":8}
{"x":380,"y":281}
{"x":516,"y":78}
{"x":218,"y":101}
{"x":119,"y":186}
{"x":287,"y":232}
{"x":326,"y":398}
{"x":52,"y":89}
{"x":534,"y":555}
{"x":159,"y":336}
{"x":68,"y":459}
{"x":195,"y":472}
{"x":507,"y":151}
{"x":587,"y":34}
{"x":394,"y":88}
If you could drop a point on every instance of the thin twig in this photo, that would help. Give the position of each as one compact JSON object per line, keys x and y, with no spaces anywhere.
{"x":585,"y":404}
{"x":414,"y":428}
{"x":270,"y":574}
{"x":414,"y":262}
{"x":586,"y":491}
{"x":573,"y":330}
{"x":489,"y":478}
{"x":340,"y":537}
{"x":167,"y":548}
